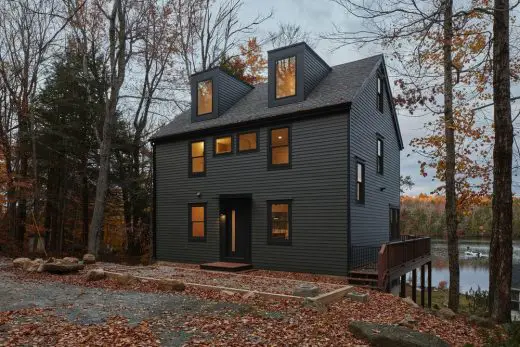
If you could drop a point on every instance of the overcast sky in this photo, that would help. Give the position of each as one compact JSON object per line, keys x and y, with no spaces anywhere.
{"x":318,"y":16}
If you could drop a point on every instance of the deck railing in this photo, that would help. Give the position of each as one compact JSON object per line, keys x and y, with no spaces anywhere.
{"x":391,"y":257}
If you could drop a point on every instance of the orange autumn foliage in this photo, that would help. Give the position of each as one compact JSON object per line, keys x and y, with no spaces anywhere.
{"x":250,"y":65}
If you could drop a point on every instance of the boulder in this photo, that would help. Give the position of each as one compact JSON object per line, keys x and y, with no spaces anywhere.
{"x":19,"y":263}
{"x":228,"y":292}
{"x":446,"y":313}
{"x":248,"y":295}
{"x":171,"y":285}
{"x":355,"y":296}
{"x":481,"y":321}
{"x":306,"y":290}
{"x":32,"y":266}
{"x":95,"y":275}
{"x":410,"y":302}
{"x":383,"y":335}
{"x":89,"y":258}
{"x":125,"y":279}
{"x":71,"y":260}
{"x":408,"y":321}
{"x":61,"y":268}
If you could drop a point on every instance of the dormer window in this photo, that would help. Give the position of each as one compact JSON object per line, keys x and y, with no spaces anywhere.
{"x":204,"y":97}
{"x":285,"y":77}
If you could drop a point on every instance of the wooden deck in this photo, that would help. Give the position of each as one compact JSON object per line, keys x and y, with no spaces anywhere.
{"x":226,"y":266}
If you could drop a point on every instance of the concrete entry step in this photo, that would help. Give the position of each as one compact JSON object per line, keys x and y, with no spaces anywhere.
{"x":226,"y":266}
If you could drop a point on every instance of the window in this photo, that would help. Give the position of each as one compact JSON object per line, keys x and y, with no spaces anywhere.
{"x":247,"y":142}
{"x":380,"y":156}
{"x":204,"y":97}
{"x":380,"y":99}
{"x":285,"y":75}
{"x":360,"y":182}
{"x":223,"y":145}
{"x":197,"y":160}
{"x":280,"y":155}
{"x":197,"y":218}
{"x":279,"y":222}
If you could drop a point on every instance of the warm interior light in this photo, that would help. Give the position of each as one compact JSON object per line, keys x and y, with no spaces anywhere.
{"x":280,"y":137}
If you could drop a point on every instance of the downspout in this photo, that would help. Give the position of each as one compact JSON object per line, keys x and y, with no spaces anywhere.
{"x":349,"y":247}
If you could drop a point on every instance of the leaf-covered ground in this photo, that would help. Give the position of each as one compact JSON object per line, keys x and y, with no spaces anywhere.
{"x":46,"y":310}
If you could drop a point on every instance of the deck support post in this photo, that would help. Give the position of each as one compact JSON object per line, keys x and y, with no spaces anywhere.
{"x":422,"y":285}
{"x":402,"y":292}
{"x":414,"y":285}
{"x":429,"y":284}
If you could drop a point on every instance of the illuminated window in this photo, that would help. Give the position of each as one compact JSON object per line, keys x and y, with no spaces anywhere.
{"x":280,"y":148}
{"x":360,"y":182}
{"x":197,"y":216}
{"x":285,"y":74}
{"x":223,"y":145}
{"x":380,"y":157}
{"x":197,"y":160}
{"x":279,"y":221}
{"x":204,"y":97}
{"x":380,"y":98}
{"x":247,"y":142}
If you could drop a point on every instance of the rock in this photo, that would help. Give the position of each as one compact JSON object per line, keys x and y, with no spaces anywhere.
{"x":72,"y":260}
{"x":306,"y":290}
{"x":410,"y":302}
{"x":355,"y":296}
{"x":61,"y":268}
{"x":228,"y":292}
{"x":481,"y":321}
{"x":446,"y":313}
{"x":384,"y":335}
{"x":40,"y":268}
{"x":408,"y":321}
{"x":125,"y":279}
{"x":32,"y":266}
{"x":95,"y":275}
{"x":19,"y":263}
{"x":39,"y":260}
{"x":171,"y":285}
{"x":248,"y":295}
{"x":89,"y":258}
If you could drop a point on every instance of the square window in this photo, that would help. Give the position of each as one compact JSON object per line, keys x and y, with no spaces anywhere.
{"x":204,"y":97}
{"x":279,"y":222}
{"x":285,"y":76}
{"x":247,"y":142}
{"x":224,"y":145}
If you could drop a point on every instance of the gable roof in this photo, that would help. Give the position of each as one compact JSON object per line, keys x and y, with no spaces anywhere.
{"x":339,"y":87}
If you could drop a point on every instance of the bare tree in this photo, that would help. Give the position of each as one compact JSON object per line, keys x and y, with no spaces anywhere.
{"x":208,"y":31}
{"x":288,"y":34}
{"x":501,"y":248}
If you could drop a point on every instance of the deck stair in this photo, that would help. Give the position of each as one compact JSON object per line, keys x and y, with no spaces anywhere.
{"x":363,"y":278}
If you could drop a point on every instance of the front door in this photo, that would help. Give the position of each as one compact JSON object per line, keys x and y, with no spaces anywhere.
{"x":235,"y":229}
{"x":395,"y":233}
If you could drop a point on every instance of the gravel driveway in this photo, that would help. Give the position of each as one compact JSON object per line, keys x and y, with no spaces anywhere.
{"x":83,"y":305}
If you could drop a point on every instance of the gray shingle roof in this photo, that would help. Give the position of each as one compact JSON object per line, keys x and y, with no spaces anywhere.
{"x":340,"y":86}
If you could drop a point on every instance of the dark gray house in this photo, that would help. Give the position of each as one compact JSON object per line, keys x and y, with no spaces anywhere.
{"x":292,"y":174}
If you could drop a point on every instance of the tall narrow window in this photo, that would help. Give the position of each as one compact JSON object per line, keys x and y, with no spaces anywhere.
{"x":204,"y":97}
{"x":197,"y":160}
{"x":224,"y":145}
{"x":279,"y":221}
{"x":247,"y":142}
{"x":285,"y":75}
{"x":360,"y":182}
{"x":380,"y":98}
{"x":280,"y":152}
{"x":380,"y":156}
{"x":197,"y":217}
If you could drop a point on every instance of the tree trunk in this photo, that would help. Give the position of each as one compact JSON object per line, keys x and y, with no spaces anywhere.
{"x":451,"y":197}
{"x":501,"y":247}
{"x":84,"y":199}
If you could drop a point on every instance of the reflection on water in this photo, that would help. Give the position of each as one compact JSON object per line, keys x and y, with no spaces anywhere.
{"x":474,"y":271}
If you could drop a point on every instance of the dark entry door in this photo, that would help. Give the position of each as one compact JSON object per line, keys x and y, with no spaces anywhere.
{"x":235,"y":229}
{"x":395,"y":233}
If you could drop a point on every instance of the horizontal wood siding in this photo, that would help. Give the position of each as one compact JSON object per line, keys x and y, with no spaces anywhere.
{"x":315,"y":71}
{"x":315,"y":183}
{"x":370,"y":222}
{"x":230,"y":90}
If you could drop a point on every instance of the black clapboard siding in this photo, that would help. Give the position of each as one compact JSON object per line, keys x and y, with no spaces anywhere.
{"x":370,"y":222}
{"x":315,"y":183}
{"x":230,"y":91}
{"x":315,"y":71}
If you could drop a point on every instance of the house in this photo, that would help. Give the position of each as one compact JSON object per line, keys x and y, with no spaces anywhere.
{"x":300,"y":173}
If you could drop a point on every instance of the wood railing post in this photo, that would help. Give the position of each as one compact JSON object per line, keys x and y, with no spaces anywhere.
{"x":414,"y":285}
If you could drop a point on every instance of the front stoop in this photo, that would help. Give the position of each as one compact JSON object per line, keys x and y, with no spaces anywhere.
{"x":226,"y":266}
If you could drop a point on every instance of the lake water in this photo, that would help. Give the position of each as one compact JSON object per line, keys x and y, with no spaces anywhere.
{"x":474,"y":272}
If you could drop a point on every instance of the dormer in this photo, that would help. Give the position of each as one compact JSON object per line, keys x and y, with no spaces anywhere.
{"x":213,"y":92}
{"x":293,"y":72}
